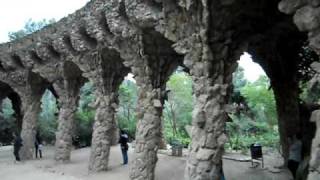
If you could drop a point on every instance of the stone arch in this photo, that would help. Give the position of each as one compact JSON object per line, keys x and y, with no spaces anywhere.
{"x":277,"y":51}
{"x":31,"y":104}
{"x":206,"y":33}
{"x":16,"y":105}
{"x":8,"y":92}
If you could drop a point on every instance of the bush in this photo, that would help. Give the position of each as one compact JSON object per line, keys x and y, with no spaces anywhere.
{"x":84,"y":126}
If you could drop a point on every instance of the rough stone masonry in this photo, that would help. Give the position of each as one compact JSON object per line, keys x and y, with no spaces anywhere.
{"x":107,"y":39}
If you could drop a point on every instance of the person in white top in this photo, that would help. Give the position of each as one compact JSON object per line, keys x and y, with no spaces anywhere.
{"x":295,"y":154}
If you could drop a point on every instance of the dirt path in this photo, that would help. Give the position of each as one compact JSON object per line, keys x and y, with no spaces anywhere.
{"x":168,"y":168}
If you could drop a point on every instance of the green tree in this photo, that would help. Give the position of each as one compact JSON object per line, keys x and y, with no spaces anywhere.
{"x":7,"y":122}
{"x":29,"y":28}
{"x":261,"y":100}
{"x":127,"y":105}
{"x":178,"y":108}
{"x":258,"y":121}
{"x":85,"y":114}
{"x":47,"y":118}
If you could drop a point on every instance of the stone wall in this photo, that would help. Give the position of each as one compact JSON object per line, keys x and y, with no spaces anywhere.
{"x":306,"y":15}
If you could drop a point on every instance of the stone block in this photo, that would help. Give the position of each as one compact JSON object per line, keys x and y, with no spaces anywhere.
{"x":205,"y":154}
{"x":307,"y":18}
{"x":315,"y":116}
{"x":157,"y":103}
{"x":290,"y":6}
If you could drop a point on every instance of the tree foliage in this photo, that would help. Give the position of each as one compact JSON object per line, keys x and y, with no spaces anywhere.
{"x":29,"y":28}
{"x":255,"y":119}
{"x":127,"y":105}
{"x":7,"y":122}
{"x":178,"y":107}
{"x":84,"y":118}
{"x":47,"y":120}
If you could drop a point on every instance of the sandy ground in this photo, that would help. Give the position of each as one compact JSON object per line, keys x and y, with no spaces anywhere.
{"x":168,"y":167}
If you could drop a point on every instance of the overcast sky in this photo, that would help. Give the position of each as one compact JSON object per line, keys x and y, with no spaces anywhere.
{"x":15,"y":13}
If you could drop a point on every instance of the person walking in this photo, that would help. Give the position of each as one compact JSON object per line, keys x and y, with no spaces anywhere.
{"x":17,"y":146}
{"x":295,"y":154}
{"x":124,"y":146}
{"x":38,"y":145}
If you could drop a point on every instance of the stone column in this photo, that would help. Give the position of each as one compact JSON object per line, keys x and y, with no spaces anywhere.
{"x":148,"y":134}
{"x":211,"y":66}
{"x":32,"y":108}
{"x":107,"y":78}
{"x":208,"y":138}
{"x":68,"y":91}
{"x":31,"y":104}
{"x":103,"y":130}
{"x":314,"y":169}
{"x":287,"y":101}
{"x":68,"y":102}
{"x":151,"y":74}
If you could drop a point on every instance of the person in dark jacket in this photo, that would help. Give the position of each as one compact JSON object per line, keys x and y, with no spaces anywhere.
{"x":38,"y":145}
{"x":124,"y":146}
{"x":17,"y":146}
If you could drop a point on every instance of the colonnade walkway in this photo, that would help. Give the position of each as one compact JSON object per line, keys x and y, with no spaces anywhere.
{"x":168,"y":168}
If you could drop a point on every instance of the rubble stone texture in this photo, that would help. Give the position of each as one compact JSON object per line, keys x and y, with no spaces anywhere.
{"x":105,"y":40}
{"x":31,"y":106}
{"x":107,"y":80}
{"x":306,"y":15}
{"x":68,"y":91}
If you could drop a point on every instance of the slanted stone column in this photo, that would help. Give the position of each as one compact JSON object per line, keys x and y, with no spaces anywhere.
{"x":31,"y":104}
{"x":209,"y":117}
{"x":305,"y":16}
{"x":103,"y":130}
{"x":107,"y":78}
{"x":211,"y":66}
{"x":68,"y":91}
{"x":148,"y":134}
{"x":32,"y":108}
{"x":314,"y":169}
{"x":151,"y":74}
{"x":68,"y":103}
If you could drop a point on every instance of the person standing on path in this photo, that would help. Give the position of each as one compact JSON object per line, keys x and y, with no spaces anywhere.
{"x":17,"y":146}
{"x":124,"y":146}
{"x":295,"y":154}
{"x":38,"y":145}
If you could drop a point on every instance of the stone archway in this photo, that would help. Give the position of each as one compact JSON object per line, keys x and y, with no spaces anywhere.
{"x":149,"y":37}
{"x":31,"y":103}
{"x":15,"y":101}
